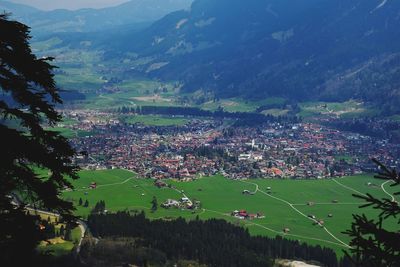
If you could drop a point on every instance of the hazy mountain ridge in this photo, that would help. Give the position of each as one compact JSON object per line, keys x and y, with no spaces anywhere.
{"x":89,"y":20}
{"x":316,"y":48}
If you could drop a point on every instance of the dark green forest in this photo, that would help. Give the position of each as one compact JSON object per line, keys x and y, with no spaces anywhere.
{"x":212,"y":242}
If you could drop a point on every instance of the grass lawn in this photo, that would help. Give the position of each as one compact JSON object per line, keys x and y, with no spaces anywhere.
{"x":70,"y":133}
{"x":121,"y":190}
{"x":241,"y":105}
{"x":154,"y":120}
{"x":348,"y":109}
{"x":66,"y":132}
{"x":60,"y":247}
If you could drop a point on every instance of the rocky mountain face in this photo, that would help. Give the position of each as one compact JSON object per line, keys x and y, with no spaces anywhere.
{"x":301,"y":49}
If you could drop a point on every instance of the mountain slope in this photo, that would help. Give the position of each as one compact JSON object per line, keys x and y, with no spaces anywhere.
{"x":88,"y":20}
{"x":302,"y":49}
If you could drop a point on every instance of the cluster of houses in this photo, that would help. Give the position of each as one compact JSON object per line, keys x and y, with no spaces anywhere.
{"x":244,"y":215}
{"x":182,"y":203}
{"x":301,"y":150}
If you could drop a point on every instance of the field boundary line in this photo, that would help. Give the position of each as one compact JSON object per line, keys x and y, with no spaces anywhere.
{"x":348,"y":187}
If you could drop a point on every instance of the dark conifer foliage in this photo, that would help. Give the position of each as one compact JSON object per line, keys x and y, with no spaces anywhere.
{"x":373,"y":244}
{"x":28,"y":82}
{"x":213,"y":242}
{"x":100,"y":207}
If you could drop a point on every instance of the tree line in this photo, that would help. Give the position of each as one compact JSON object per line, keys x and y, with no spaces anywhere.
{"x":213,"y":242}
{"x":244,"y":118}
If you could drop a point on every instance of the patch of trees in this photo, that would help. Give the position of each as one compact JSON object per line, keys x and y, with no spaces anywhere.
{"x":213,"y":242}
{"x":373,"y":244}
{"x":244,"y":118}
{"x":32,"y":97}
{"x":373,"y":127}
{"x":72,"y":95}
{"x":100,"y":207}
{"x":125,"y":250}
{"x":49,"y":230}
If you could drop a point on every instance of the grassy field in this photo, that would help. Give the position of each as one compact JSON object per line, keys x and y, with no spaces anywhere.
{"x":154,"y":120}
{"x":284,"y":206}
{"x":348,"y":109}
{"x":241,"y":105}
{"x":70,"y":133}
{"x":58,"y":246}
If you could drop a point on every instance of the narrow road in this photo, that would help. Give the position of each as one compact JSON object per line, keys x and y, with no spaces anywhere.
{"x":105,"y":185}
{"x":184,"y":195}
{"x":280,"y":232}
{"x":299,"y":212}
{"x":348,"y":188}
{"x":83,"y":226}
{"x":386,"y":192}
{"x":330,"y":203}
{"x":339,"y":243}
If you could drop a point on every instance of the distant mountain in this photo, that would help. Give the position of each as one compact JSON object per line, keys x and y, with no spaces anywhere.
{"x":18,"y":10}
{"x":301,"y":49}
{"x":89,"y":20}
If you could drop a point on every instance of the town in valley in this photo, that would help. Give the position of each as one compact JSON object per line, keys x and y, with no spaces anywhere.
{"x":207,"y":146}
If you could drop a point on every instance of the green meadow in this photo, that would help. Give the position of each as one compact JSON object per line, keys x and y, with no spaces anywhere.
{"x":154,"y":120}
{"x":284,"y":203}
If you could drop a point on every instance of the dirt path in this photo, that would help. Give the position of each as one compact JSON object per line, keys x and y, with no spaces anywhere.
{"x":301,"y":213}
{"x":386,"y":192}
{"x":279,"y":232}
{"x":348,"y":188}
{"x":330,"y":203}
{"x":105,"y":185}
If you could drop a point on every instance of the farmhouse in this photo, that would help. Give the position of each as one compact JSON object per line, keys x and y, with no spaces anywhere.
{"x":160,"y":183}
{"x":170,"y":203}
{"x":185,"y":200}
{"x":243,"y":214}
{"x":93,"y":185}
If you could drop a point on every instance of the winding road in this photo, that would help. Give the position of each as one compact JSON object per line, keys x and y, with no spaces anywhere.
{"x":341,"y":243}
{"x":386,"y":192}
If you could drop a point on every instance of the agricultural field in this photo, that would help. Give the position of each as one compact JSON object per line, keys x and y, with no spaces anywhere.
{"x":154,"y":120}
{"x":283,"y":203}
{"x":241,"y":105}
{"x":70,"y":133}
{"x":133,"y":93}
{"x":348,"y":109}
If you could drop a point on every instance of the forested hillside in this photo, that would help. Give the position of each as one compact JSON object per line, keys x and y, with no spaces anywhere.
{"x":212,"y":242}
{"x":302,"y":49}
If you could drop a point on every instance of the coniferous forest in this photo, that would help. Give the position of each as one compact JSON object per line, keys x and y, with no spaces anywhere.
{"x":213,"y":242}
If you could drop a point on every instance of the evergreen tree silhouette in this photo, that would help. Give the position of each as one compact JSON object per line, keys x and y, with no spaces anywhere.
{"x":27,"y":102}
{"x":373,"y":245}
{"x":154,"y":204}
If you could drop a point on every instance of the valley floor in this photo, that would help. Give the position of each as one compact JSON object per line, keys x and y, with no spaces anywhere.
{"x":313,"y":211}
